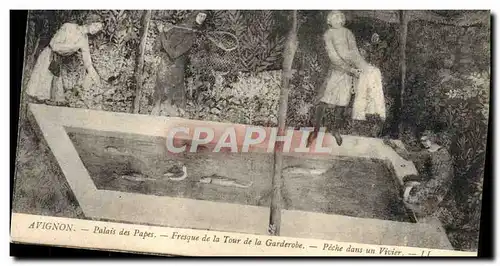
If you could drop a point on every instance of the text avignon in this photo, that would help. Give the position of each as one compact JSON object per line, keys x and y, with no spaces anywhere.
{"x":51,"y":226}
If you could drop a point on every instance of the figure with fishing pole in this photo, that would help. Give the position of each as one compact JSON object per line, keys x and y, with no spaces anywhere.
{"x":174,"y":43}
{"x":426,"y":192}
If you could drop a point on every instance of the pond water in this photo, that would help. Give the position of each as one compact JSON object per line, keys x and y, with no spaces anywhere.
{"x":347,"y":186}
{"x":355,"y":187}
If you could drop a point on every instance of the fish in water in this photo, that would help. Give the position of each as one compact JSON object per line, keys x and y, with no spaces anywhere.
{"x":297,"y":170}
{"x":176,"y":174}
{"x":225,"y":181}
{"x":136,"y":177}
{"x":115,"y":150}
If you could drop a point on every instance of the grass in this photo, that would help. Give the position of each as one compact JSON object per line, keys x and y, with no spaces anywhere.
{"x":39,"y":185}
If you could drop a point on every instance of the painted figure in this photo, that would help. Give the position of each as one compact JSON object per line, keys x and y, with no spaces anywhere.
{"x":424,"y":193}
{"x":174,"y":43}
{"x":45,"y":83}
{"x":346,"y":65}
{"x":350,"y":74}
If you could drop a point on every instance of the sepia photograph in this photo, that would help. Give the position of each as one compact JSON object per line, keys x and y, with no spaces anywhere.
{"x":352,"y":126}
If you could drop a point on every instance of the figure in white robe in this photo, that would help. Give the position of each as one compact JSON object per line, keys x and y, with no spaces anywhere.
{"x":45,"y":83}
{"x":349,"y":75}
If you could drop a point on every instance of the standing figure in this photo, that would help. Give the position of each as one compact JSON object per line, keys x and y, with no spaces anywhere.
{"x":45,"y":83}
{"x":424,"y":193}
{"x":173,"y":43}
{"x":346,"y":66}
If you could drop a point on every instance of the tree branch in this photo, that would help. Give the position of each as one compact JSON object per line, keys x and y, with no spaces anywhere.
{"x":139,"y":67}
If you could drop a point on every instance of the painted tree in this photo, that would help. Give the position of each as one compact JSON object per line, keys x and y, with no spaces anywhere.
{"x":277,"y":182}
{"x":139,"y":70}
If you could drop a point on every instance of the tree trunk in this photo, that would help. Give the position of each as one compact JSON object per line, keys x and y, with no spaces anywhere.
{"x":398,"y":95}
{"x":139,"y":67}
{"x":403,"y":35}
{"x":277,"y":181}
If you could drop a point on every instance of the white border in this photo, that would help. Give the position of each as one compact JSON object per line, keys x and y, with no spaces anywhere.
{"x":255,"y":4}
{"x":262,"y":4}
